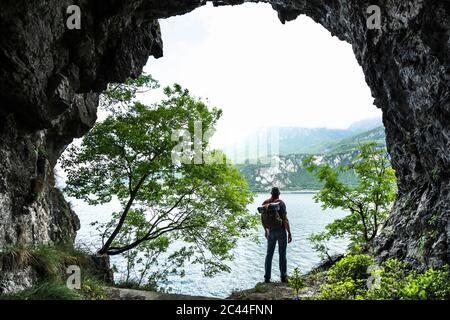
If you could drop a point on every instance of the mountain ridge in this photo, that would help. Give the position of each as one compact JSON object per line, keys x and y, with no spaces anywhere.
{"x":289,"y":174}
{"x":298,"y":140}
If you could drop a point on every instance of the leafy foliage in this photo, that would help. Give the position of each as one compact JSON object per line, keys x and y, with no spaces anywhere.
{"x":347,"y":278}
{"x":353,"y":278}
{"x":121,"y":94}
{"x":368,"y":203}
{"x":296,"y":281}
{"x":343,"y":290}
{"x":319,"y":244}
{"x":351,"y":267}
{"x":134,"y":156}
{"x":399,"y":282}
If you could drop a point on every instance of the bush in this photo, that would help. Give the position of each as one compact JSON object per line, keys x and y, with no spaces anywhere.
{"x":398,"y":282}
{"x":389,"y":280}
{"x":343,"y":290}
{"x":393,"y":280}
{"x":347,"y":278}
{"x":432,"y":285}
{"x":352,"y":267}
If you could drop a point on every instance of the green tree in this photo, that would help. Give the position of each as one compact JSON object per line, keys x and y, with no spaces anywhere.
{"x":368,"y":203}
{"x":134,"y":156}
{"x":146,"y":265}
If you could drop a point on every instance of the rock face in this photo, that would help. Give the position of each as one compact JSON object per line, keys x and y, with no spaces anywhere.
{"x":51,"y":76}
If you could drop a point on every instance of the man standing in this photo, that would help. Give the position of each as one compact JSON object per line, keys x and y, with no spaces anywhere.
{"x":277,"y":229}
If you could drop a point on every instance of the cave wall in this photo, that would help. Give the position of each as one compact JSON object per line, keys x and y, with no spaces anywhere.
{"x":407,"y":67}
{"x":50,"y":79}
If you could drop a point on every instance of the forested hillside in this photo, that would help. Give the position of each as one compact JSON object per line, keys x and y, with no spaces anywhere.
{"x":289,"y":174}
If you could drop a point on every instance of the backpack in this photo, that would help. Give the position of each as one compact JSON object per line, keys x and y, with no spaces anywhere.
{"x":270,"y":216}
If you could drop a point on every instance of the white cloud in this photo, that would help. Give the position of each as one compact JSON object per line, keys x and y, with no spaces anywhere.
{"x":263,"y":73}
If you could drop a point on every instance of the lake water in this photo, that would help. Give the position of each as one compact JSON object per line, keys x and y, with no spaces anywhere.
{"x":247,"y":269}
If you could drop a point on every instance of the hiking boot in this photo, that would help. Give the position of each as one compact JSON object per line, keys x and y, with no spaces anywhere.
{"x":285,"y":279}
{"x":267,"y":280}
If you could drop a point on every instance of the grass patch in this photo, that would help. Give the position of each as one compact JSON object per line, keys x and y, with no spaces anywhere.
{"x":130,"y":284}
{"x":16,"y":257}
{"x":50,"y":264}
{"x":48,"y":290}
{"x":260,"y":288}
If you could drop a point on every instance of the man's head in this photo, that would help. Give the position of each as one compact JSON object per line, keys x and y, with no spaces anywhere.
{"x":275,"y":192}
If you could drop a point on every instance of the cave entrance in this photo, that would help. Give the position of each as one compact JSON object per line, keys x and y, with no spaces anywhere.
{"x":262,"y":74}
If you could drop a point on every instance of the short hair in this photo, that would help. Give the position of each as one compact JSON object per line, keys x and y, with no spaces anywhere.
{"x":275,"y":191}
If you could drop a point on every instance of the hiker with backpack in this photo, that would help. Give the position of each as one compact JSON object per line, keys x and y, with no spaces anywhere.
{"x":277,"y":229}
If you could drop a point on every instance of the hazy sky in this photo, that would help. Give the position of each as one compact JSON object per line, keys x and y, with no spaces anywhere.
{"x":263,"y":73}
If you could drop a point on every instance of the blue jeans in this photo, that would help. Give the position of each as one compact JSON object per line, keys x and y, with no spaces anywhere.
{"x":275,"y":235}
